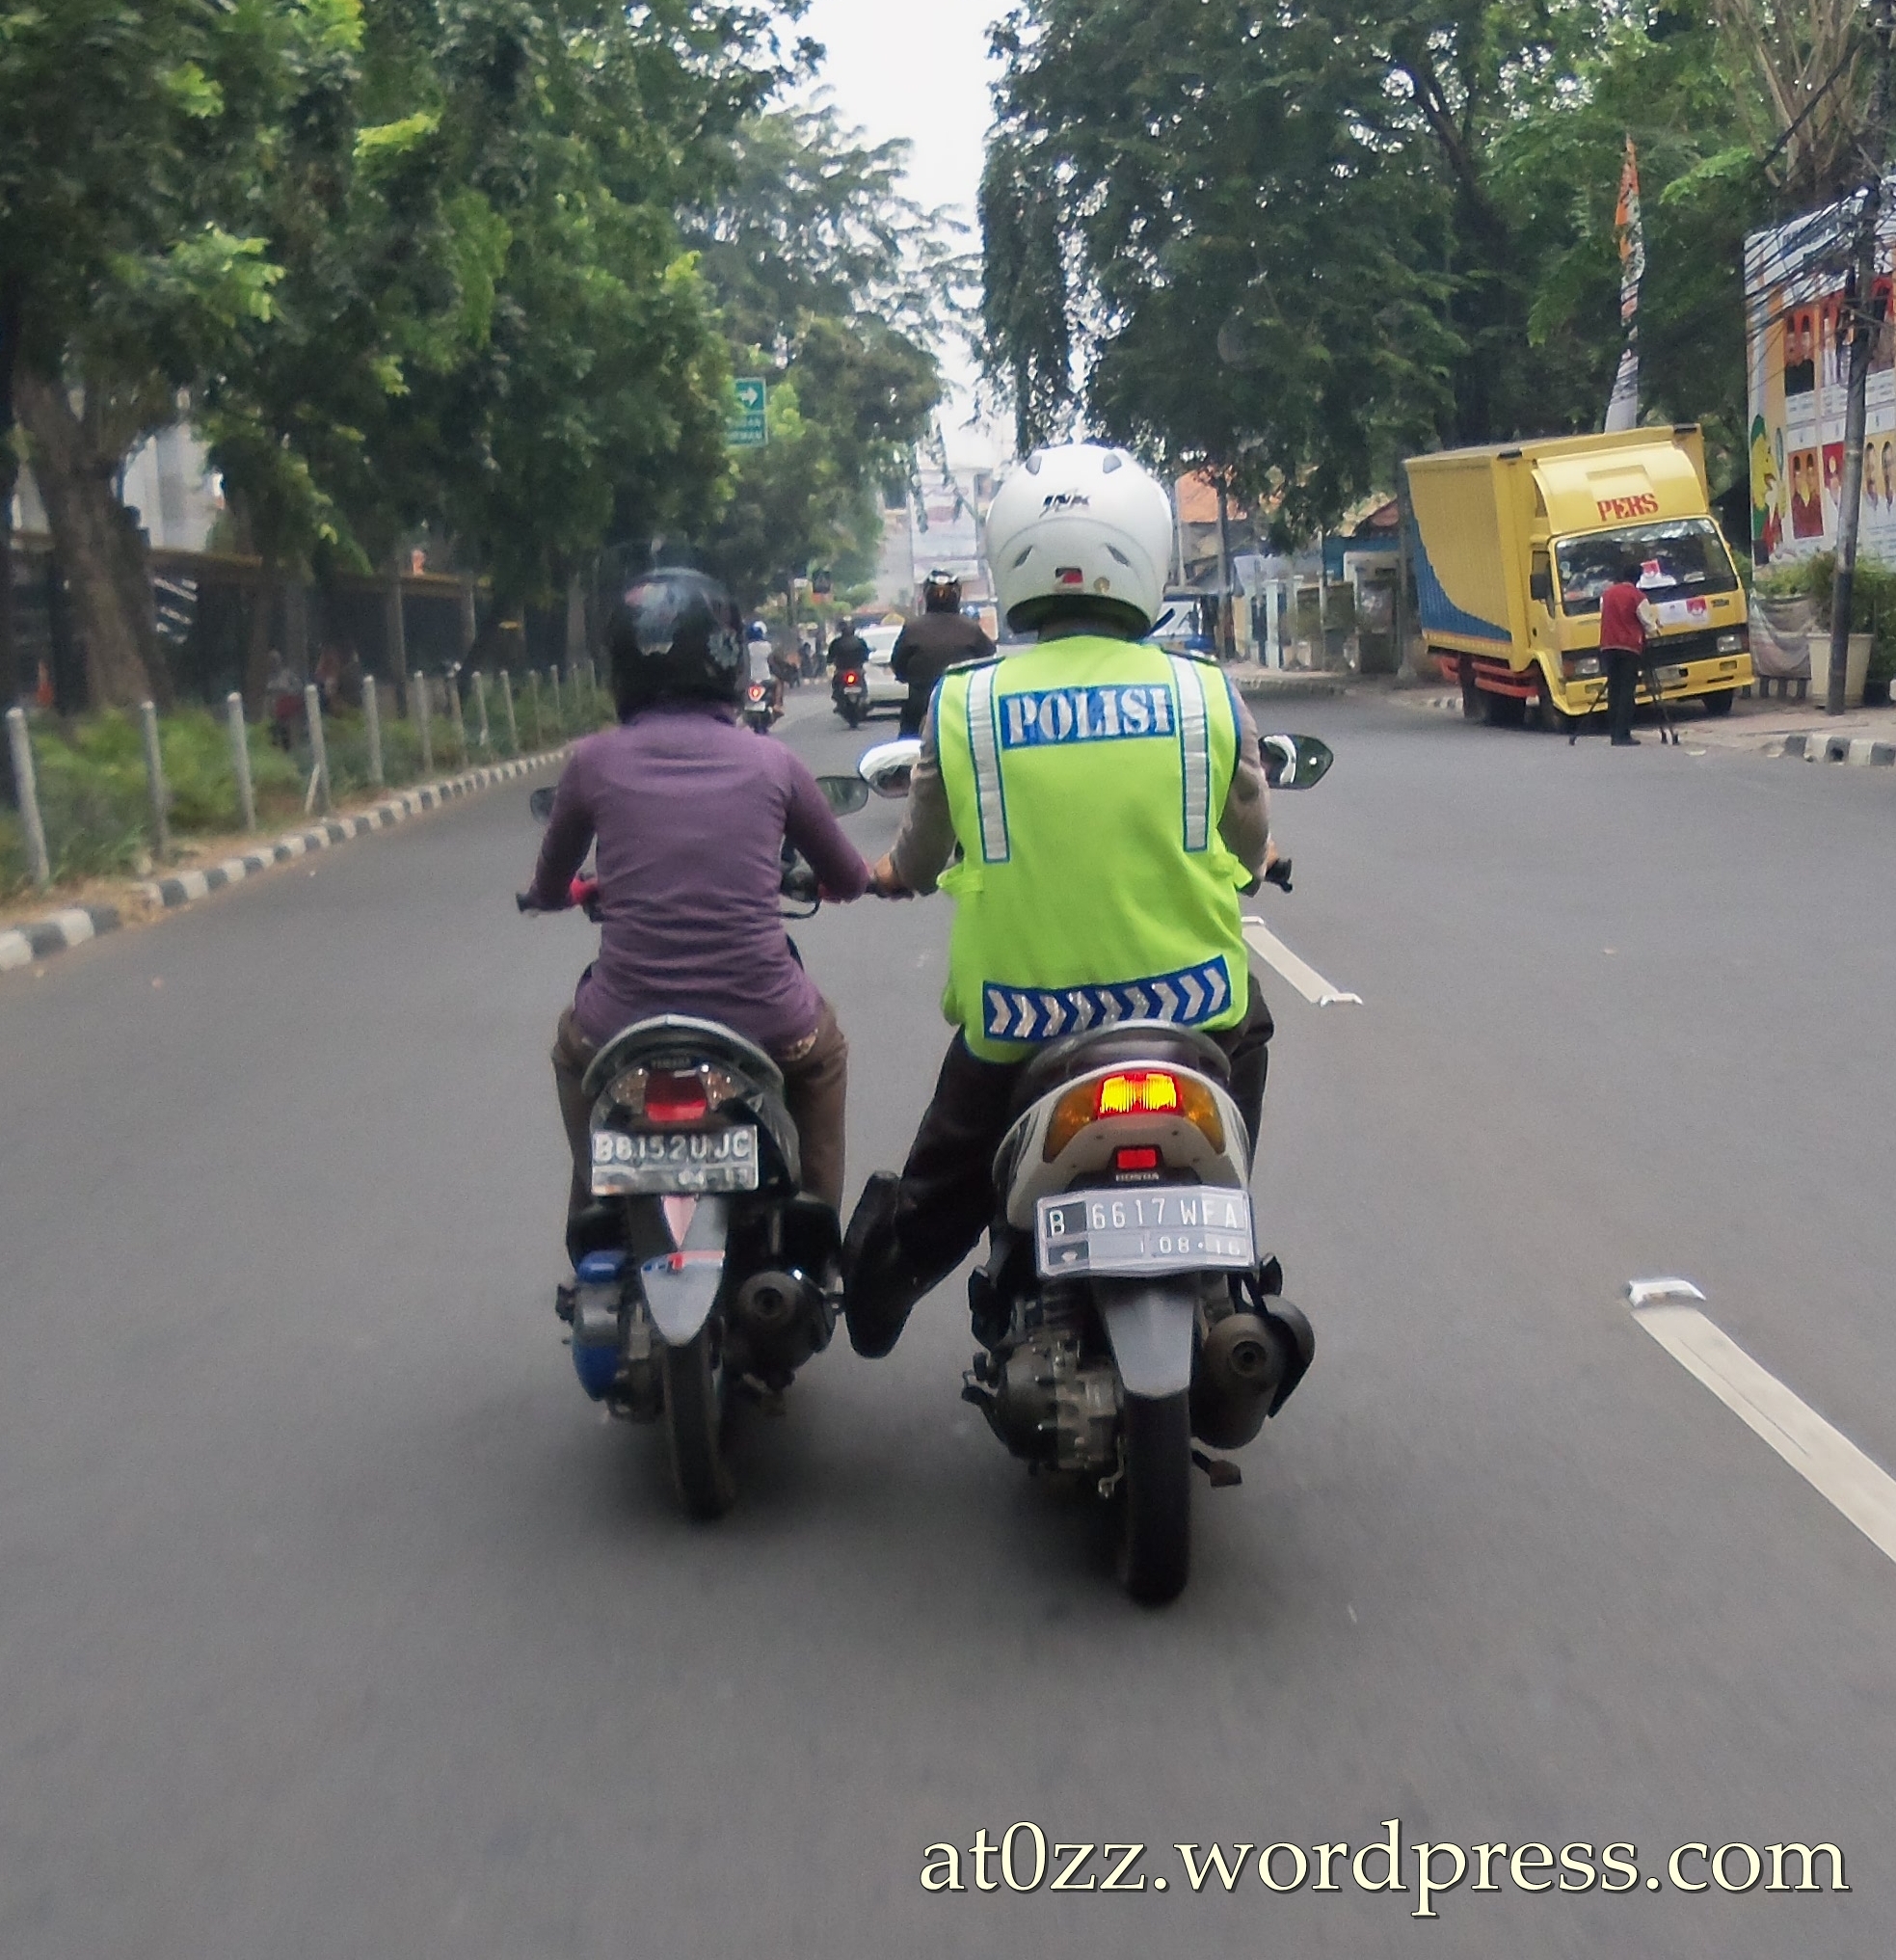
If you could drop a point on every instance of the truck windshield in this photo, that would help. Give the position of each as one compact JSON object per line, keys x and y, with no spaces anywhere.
{"x":1679,"y":559}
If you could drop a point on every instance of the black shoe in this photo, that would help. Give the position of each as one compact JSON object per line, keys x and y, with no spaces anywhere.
{"x":877,"y":1286}
{"x":1625,"y":741}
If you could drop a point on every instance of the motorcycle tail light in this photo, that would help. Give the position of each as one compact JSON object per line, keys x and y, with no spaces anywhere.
{"x":1148,"y":1092}
{"x":757,"y":691}
{"x":1143,"y":1159}
{"x":851,"y":677}
{"x":673,"y":1096}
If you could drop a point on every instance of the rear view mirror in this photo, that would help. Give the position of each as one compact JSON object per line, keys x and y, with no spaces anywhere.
{"x":1540,"y":586}
{"x":540,"y":802}
{"x":1294,"y":762}
{"x":887,"y":768}
{"x":844,"y":793}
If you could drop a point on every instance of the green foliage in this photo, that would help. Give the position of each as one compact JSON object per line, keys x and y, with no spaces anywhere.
{"x":1872,"y":601}
{"x":837,"y":290}
{"x":1292,"y":248}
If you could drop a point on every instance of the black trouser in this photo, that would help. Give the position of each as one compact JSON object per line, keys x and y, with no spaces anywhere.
{"x":1623,"y":679}
{"x":947,"y":1197}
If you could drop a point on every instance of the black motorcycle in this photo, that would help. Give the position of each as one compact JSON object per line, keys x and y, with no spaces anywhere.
{"x":704,"y":1273}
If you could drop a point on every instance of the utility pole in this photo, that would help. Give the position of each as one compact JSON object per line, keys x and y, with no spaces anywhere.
{"x":1864,"y":327}
{"x":1225,"y":643}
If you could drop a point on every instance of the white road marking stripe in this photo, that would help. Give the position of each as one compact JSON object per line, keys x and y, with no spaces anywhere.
{"x":1825,"y":1458}
{"x":1306,"y":980}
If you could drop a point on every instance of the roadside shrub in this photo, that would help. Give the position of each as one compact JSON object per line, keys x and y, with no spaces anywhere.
{"x":14,"y":872}
{"x":93,"y":796}
{"x":1872,"y":601}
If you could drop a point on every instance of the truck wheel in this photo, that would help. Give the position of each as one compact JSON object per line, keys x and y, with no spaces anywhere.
{"x":1155,"y":1498}
{"x":1721,"y":702}
{"x":1470,"y":695}
{"x":1503,"y":711}
{"x":1554,"y":718}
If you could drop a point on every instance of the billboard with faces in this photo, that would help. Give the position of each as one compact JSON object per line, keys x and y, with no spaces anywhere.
{"x":1797,"y":362}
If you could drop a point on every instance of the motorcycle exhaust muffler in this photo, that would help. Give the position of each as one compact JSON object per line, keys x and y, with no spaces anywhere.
{"x":784,"y":1317}
{"x":1239,"y":1367}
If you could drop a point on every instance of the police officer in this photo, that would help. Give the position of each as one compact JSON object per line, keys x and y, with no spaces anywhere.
{"x":928,"y":646}
{"x":1108,"y":805}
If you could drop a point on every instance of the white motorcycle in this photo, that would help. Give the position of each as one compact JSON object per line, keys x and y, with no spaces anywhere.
{"x":1123,"y":1308}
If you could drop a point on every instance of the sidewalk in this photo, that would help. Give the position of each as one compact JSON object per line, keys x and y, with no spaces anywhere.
{"x":1797,"y":729}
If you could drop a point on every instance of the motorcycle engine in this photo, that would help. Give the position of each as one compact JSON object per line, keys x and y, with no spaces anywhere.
{"x":1049,"y":1403}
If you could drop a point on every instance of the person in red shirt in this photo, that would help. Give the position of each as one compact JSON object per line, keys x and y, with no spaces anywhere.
{"x":1625,"y":620}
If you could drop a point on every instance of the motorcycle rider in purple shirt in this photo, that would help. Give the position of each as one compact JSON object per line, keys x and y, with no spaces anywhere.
{"x":689,"y":813}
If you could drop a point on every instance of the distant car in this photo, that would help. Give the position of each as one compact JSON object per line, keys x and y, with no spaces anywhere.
{"x":884,"y":690}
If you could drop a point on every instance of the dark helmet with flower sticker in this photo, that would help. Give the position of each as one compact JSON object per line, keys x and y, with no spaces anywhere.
{"x":675,"y":635}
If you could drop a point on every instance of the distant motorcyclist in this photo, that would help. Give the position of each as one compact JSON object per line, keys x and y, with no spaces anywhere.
{"x":689,"y":814}
{"x":848,"y":649}
{"x":929,"y":646}
{"x":1094,"y":805}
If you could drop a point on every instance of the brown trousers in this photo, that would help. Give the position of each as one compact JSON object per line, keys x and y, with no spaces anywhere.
{"x":815,"y":1089}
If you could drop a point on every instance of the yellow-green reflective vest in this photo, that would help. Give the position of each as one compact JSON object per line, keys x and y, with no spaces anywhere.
{"x":1086,"y":778}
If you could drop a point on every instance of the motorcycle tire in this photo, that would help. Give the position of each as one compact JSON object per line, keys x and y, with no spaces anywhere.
{"x":1154,"y":1498}
{"x":853,"y":717}
{"x":695,"y":1410}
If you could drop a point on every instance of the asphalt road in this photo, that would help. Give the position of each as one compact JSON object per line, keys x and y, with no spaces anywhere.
{"x":334,"y":1622}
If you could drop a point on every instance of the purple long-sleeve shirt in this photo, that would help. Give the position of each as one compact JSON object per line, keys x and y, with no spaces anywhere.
{"x":690,"y":812}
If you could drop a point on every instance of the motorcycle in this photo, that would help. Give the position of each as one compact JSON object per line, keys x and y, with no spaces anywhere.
{"x":702,"y":1274}
{"x":763,"y":706}
{"x":1123,"y":1308}
{"x":849,"y":695}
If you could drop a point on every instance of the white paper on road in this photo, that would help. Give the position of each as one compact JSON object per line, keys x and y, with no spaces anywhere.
{"x":1302,"y":975}
{"x":1823,"y":1456}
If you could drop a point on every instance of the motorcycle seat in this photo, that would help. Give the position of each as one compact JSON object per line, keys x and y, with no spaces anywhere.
{"x":1163,"y":1043}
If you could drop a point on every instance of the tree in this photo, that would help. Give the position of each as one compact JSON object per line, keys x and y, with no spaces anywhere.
{"x":128,"y":138}
{"x":1291,"y":251}
{"x":838,"y":289}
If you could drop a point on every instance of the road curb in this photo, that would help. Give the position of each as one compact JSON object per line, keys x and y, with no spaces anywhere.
{"x":40,"y":939}
{"x":1254,"y":687}
{"x":1859,"y":749}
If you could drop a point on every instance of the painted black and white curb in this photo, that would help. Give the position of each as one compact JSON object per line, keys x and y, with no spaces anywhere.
{"x":41,"y":938}
{"x":1861,"y":749}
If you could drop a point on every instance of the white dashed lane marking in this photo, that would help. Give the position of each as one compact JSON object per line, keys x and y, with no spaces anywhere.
{"x":1302,"y":975}
{"x":1824,"y":1457}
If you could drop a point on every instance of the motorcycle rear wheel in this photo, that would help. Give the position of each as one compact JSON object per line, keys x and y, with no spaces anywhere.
{"x":1154,"y":1498}
{"x":695,"y":1412}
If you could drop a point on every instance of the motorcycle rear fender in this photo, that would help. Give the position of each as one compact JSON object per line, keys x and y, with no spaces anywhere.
{"x":682,"y":1287}
{"x":1151,"y":1325}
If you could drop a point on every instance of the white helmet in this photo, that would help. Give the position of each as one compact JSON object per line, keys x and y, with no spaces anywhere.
{"x":1080,"y":523}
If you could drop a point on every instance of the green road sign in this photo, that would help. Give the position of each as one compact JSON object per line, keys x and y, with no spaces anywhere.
{"x":745,"y":429}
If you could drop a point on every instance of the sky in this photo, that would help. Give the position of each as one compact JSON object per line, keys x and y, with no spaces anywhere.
{"x":920,"y":69}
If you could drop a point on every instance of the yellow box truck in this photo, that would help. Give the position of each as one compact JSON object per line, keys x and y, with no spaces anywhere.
{"x":1513,"y":546}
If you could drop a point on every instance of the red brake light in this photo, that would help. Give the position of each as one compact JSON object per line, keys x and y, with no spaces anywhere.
{"x":757,"y":691}
{"x":1145,"y":1159}
{"x":674,"y":1098}
{"x":1129,"y":1095}
{"x":850,"y":679}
